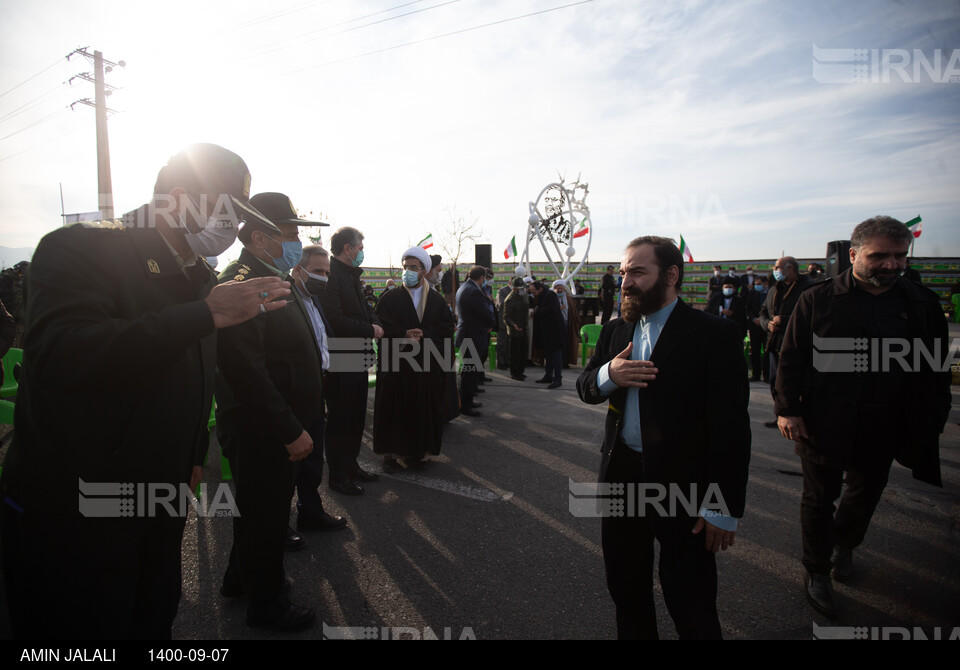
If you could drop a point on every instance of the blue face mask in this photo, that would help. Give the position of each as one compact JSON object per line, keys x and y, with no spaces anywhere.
{"x":291,"y":256}
{"x":778,"y":275}
{"x":358,"y":261}
{"x":411,"y":278}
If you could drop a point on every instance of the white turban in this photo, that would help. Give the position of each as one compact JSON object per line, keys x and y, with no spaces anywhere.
{"x":528,"y":280}
{"x":420,"y":254}
{"x":559,"y":282}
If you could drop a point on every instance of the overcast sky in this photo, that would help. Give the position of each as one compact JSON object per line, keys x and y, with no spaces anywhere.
{"x":711,"y":120}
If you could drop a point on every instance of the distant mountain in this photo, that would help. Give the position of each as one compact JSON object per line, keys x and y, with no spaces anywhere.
{"x":9,"y":257}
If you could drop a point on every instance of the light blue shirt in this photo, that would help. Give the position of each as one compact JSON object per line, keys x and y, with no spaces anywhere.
{"x":318,"y":330}
{"x":645,"y":337}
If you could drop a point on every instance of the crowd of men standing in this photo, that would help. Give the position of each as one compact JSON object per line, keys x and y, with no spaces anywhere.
{"x":283,"y":338}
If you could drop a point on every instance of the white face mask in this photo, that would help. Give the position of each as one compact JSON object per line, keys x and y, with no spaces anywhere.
{"x":728,"y":292}
{"x":215,"y":237}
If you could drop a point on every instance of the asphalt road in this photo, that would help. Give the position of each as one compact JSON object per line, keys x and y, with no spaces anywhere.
{"x":483,"y":543}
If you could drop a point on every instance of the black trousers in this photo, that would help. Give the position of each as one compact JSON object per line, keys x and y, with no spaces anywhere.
{"x":310,"y":474}
{"x":503,"y":348}
{"x":823,"y":525}
{"x":518,"y":355}
{"x":688,"y":571}
{"x":346,"y":394}
{"x":607,"y":303}
{"x":553,"y":364}
{"x":474,"y":352}
{"x":264,"y":478}
{"x":757,"y":339}
{"x":91,"y":578}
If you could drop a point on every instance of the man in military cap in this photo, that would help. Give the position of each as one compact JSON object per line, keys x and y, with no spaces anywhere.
{"x":269,"y":391}
{"x":114,"y":399}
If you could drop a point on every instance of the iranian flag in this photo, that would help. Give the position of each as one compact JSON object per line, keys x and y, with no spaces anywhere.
{"x":685,"y":250}
{"x":582,"y":229}
{"x":426,"y":242}
{"x":511,"y":250}
{"x":915,"y":226}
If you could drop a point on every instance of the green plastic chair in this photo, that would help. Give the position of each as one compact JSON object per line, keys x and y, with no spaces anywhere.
{"x":225,"y":473}
{"x":10,"y":360}
{"x":6,"y":412}
{"x":955,"y":299}
{"x":589,"y":336}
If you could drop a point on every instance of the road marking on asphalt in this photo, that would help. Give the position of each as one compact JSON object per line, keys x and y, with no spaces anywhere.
{"x":447,"y":486}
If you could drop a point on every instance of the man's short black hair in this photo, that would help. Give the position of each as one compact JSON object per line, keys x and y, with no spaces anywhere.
{"x":880,"y":226}
{"x":477,"y":272}
{"x":346,"y":236}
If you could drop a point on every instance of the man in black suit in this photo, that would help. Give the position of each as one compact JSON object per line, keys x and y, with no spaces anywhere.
{"x":753,"y":298}
{"x":746,"y":281}
{"x":728,"y":305}
{"x":776,"y":310}
{"x":716,"y":281}
{"x":644,"y":362}
{"x":608,"y":288}
{"x":310,"y":278}
{"x":352,"y":319}
{"x":475,"y":320}
{"x":548,"y":333}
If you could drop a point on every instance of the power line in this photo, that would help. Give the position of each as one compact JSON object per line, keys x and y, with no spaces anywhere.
{"x":51,"y":66}
{"x":265,"y":49}
{"x":23,"y":106}
{"x":436,"y":37}
{"x":35,"y":146}
{"x":276,"y":15}
{"x":35,"y":123}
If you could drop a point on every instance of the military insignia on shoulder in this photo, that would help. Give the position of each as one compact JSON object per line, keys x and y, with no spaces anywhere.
{"x":244,"y":269}
{"x":152,"y":266}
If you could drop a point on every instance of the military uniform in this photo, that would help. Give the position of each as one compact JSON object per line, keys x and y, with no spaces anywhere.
{"x":269,"y":389}
{"x":118,"y":334}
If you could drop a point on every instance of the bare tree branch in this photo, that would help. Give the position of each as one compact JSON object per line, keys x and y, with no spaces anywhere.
{"x":460,"y":233}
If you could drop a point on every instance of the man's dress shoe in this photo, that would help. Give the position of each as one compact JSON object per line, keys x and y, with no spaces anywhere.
{"x":347,"y":487}
{"x":323,"y":522}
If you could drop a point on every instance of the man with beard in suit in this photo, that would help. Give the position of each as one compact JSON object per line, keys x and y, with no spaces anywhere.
{"x":644,"y":362}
